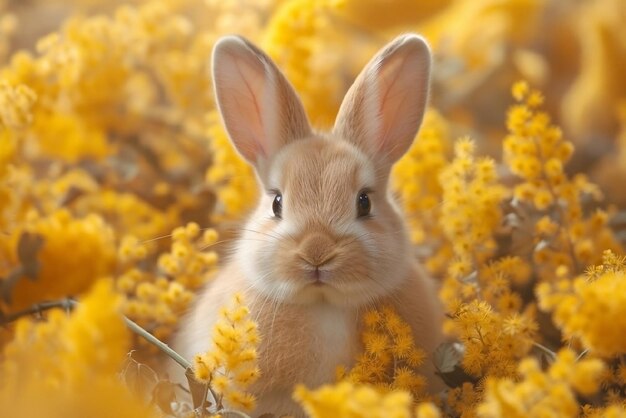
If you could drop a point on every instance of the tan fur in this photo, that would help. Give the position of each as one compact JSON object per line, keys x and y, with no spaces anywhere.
{"x":310,"y":274}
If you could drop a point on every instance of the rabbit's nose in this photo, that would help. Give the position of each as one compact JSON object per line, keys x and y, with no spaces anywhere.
{"x":317,"y":249}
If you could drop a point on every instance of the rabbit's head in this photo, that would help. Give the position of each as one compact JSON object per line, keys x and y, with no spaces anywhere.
{"x":326,"y":227}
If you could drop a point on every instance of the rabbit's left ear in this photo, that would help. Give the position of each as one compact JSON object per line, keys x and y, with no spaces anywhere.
{"x":384,"y":108}
{"x":260,"y":109}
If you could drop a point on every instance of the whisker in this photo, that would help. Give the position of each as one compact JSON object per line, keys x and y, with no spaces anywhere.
{"x":205,"y":247}
{"x":155,"y":239}
{"x":169,"y":235}
{"x":261,"y":233}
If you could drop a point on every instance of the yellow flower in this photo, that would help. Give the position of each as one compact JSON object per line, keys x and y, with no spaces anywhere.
{"x":536,"y":152}
{"x":542,"y":393}
{"x":294,"y":38}
{"x":415,"y":178}
{"x":74,"y":253}
{"x":520,"y":90}
{"x":16,"y":103}
{"x":591,"y":310}
{"x":70,"y":363}
{"x":347,"y":400}
{"x":391,"y":358}
{"x":230,"y":366}
{"x":230,"y":174}
{"x":427,"y":410}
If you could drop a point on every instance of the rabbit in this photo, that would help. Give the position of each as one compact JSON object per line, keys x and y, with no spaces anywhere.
{"x":326,"y":241}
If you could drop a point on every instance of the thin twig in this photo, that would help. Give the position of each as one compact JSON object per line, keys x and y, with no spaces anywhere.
{"x":582,"y":354}
{"x":234,"y":412}
{"x":137,"y":329}
{"x":546,"y":350}
{"x":38,"y":308}
{"x":68,"y":304}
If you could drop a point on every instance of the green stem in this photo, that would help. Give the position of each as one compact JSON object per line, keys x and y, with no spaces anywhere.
{"x":137,"y":329}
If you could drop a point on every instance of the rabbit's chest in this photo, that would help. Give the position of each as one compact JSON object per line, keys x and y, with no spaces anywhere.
{"x":307,"y":344}
{"x":335,"y":341}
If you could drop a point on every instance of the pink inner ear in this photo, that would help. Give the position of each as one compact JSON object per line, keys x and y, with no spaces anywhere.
{"x":240,"y":84}
{"x":401,"y":100}
{"x":384,"y":107}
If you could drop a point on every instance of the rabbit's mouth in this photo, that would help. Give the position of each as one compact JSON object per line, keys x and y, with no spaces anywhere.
{"x":319,"y":276}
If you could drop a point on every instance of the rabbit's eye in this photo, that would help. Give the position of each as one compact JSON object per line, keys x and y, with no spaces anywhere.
{"x":277,"y":206}
{"x":363,"y":204}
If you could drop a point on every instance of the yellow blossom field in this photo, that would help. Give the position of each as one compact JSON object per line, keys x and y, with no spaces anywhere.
{"x":121,"y":196}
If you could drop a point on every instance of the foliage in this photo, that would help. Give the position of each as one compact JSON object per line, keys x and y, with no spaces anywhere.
{"x":390,"y":359}
{"x":119,"y":187}
{"x":230,"y":365}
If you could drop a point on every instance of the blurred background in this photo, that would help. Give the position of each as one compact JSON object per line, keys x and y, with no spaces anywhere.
{"x":573,"y":50}
{"x":114,"y":164}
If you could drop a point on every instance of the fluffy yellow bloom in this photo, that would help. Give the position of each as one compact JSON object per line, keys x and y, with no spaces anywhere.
{"x":427,"y":410}
{"x":539,"y":393}
{"x":415,"y":178}
{"x":590,"y":308}
{"x":232,"y":177}
{"x":470,"y":214}
{"x":391,"y":360}
{"x":536,"y":151}
{"x":74,"y":253}
{"x":348,"y":400}
{"x":470,"y":211}
{"x":156,"y":299}
{"x":113,"y":162}
{"x":16,"y":104}
{"x":230,"y":366}
{"x":79,"y":139}
{"x":70,"y":363}
{"x":309,"y":63}
{"x":128,"y":213}
{"x":462,"y":400}
{"x":493,"y":342}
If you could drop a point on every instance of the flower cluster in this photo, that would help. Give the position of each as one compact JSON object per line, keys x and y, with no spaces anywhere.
{"x":230,"y":365}
{"x":16,"y":103}
{"x":230,"y":175}
{"x":42,"y":268}
{"x":502,"y":243}
{"x":590,"y":307}
{"x":416,"y":180}
{"x":310,"y":63}
{"x":70,"y":362}
{"x":493,"y":341}
{"x":349,"y":400}
{"x":470,"y":215}
{"x":470,"y":210}
{"x":390,"y":360}
{"x":114,"y":163}
{"x":543,"y":393}
{"x":156,"y":298}
{"x":536,"y":152}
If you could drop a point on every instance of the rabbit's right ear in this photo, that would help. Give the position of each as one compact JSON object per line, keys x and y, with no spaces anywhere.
{"x":383,"y":109}
{"x":260,"y":109}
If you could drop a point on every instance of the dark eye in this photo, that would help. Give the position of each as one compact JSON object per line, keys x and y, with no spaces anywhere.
{"x":277,"y":206}
{"x":363,"y":204}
